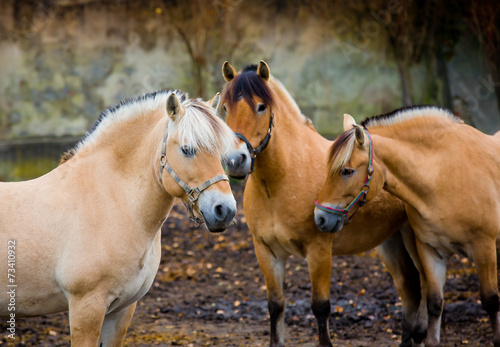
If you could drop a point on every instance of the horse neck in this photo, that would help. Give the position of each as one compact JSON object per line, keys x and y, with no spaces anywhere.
{"x":405,"y":167}
{"x":292,"y":140}
{"x":423,"y":159}
{"x":125,"y":161}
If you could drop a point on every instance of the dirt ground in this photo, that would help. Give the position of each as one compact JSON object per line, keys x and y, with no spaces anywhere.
{"x":209,"y":291}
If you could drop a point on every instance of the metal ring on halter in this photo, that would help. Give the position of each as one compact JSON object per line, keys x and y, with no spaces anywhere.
{"x":262,"y":146}
{"x":192,"y":193}
{"x":364,"y":189}
{"x":163,"y":160}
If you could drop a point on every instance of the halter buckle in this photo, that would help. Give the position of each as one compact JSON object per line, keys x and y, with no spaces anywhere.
{"x":193,"y":195}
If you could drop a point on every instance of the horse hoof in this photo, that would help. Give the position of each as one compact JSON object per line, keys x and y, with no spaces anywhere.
{"x":419,"y":335}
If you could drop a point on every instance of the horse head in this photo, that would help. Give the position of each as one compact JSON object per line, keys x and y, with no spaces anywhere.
{"x":193,"y":145}
{"x":246,"y":105}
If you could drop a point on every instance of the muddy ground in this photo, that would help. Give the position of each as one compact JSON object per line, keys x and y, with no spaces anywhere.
{"x":209,"y":291}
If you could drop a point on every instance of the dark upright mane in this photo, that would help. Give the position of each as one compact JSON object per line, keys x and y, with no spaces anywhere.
{"x":408,"y":112}
{"x":113,"y":109}
{"x":110,"y":111}
{"x":247,"y":84}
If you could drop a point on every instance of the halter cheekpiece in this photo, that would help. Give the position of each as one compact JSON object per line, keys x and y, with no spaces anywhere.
{"x":192,"y":193}
{"x":361,"y":197}
{"x":262,"y":146}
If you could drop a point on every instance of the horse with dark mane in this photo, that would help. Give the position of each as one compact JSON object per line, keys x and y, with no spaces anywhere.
{"x":448,"y":175}
{"x":283,"y":158}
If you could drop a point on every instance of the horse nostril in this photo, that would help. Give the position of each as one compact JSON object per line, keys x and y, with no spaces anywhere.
{"x":321,"y":222}
{"x":220,"y":212}
{"x":242,"y":159}
{"x":337,"y":225}
{"x":236,"y":161}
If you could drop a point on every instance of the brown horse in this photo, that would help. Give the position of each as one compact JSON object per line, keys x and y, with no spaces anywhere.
{"x":448,"y":175}
{"x":86,"y":236}
{"x":286,"y":159}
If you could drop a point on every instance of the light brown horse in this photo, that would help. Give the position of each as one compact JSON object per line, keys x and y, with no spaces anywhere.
{"x":448,"y":175}
{"x":86,"y":236}
{"x":287,"y":157}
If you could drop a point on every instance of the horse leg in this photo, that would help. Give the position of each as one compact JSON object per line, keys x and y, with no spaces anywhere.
{"x":115,"y":327}
{"x":418,"y":319}
{"x":86,"y":315}
{"x":407,"y":281}
{"x":484,"y":256}
{"x":273,"y":267}
{"x":434,"y":264}
{"x":320,"y":269}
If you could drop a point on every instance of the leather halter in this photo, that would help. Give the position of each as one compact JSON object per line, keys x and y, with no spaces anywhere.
{"x":192,"y":193}
{"x":262,"y":146}
{"x":361,"y":197}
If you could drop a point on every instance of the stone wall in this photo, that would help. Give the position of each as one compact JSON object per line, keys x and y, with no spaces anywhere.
{"x":64,"y":62}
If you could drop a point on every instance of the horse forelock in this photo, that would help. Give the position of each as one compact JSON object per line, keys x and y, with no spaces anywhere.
{"x":201,"y":128}
{"x":248,"y":85}
{"x":341,"y":151}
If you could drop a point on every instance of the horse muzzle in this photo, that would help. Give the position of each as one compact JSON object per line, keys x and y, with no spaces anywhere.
{"x":328,"y":222}
{"x":238,"y":163}
{"x":218,"y":210}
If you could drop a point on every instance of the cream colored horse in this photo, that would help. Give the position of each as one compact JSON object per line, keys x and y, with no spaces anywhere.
{"x":86,"y":235}
{"x":448,"y":175}
{"x":284,"y":159}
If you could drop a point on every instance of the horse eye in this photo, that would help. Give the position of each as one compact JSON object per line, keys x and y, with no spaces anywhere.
{"x":188,"y":151}
{"x":347,"y":172}
{"x":261,"y":108}
{"x":224,"y":108}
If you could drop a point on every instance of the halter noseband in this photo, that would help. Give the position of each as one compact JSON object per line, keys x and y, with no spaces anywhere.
{"x":362,"y":194}
{"x":262,"y":146}
{"x":192,"y":193}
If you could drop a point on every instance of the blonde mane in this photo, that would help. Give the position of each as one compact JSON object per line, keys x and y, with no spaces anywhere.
{"x":199,"y":128}
{"x":341,"y":151}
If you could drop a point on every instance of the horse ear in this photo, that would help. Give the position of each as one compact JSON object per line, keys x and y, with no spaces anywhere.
{"x":349,"y":122}
{"x":360,"y":135}
{"x":215,"y":101}
{"x":228,"y":71}
{"x":173,"y":106}
{"x":263,"y":70}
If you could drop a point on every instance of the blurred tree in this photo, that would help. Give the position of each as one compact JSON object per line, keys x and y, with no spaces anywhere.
{"x":412,"y":32}
{"x":483,"y":17}
{"x":207,"y":32}
{"x":30,"y":17}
